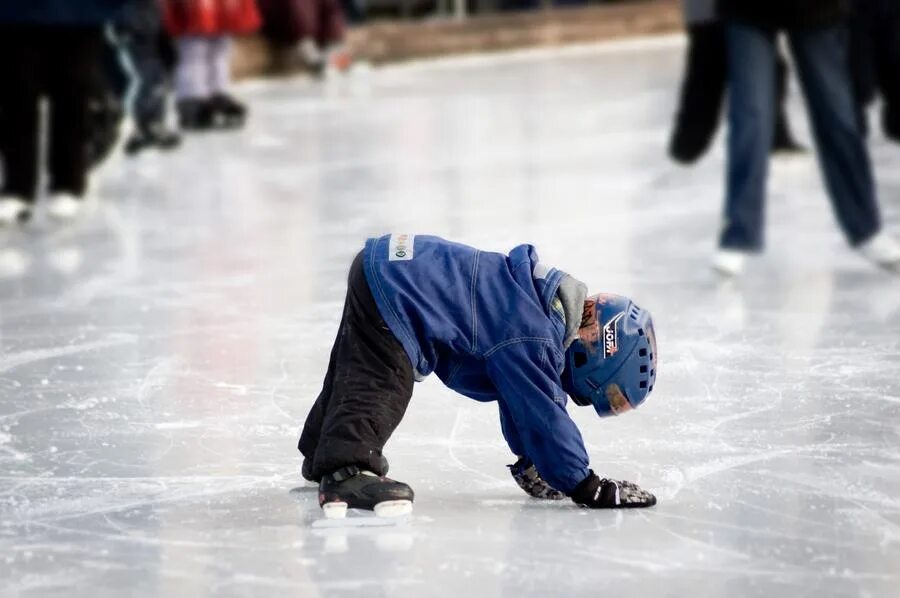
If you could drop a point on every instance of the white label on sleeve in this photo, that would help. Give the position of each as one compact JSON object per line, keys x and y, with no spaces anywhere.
{"x":401,"y":247}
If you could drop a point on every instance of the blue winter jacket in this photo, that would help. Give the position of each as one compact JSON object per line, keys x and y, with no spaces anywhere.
{"x":489,"y":327}
{"x":59,"y":12}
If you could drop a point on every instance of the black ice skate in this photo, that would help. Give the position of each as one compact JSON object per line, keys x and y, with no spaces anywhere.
{"x":227,"y":113}
{"x":194,"y":114}
{"x":155,"y":135}
{"x":353,"y":488}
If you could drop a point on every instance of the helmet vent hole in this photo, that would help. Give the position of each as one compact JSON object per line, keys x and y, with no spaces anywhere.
{"x":643,"y":384}
{"x":643,"y":353}
{"x":640,"y":332}
{"x":643,"y":369}
{"x":650,"y":389}
{"x":580,"y":359}
{"x":652,"y":372}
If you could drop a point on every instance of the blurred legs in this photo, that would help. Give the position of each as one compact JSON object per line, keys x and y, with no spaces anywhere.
{"x":191,"y":80}
{"x":20,"y":72}
{"x":72,"y":81}
{"x":822,"y":64}
{"x":751,"y":115}
{"x":218,"y":63}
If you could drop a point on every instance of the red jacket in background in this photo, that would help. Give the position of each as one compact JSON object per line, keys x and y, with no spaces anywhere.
{"x":210,"y":17}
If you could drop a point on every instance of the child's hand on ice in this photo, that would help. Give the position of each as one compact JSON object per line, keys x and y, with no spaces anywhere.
{"x":529,"y":480}
{"x":600,"y":493}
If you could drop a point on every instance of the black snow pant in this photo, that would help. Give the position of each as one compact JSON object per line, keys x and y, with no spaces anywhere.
{"x":366,"y":391}
{"x":703,"y":93}
{"x":59,"y":63}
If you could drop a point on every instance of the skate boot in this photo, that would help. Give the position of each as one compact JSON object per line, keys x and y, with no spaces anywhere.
{"x":353,"y":488}
{"x":729,"y":262}
{"x":882,"y":250}
{"x":153,"y":135}
{"x":227,"y":113}
{"x":194,"y":114}
{"x":13,"y":210}
{"x":306,"y":470}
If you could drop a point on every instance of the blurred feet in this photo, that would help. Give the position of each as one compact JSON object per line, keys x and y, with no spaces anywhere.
{"x":729,"y":262}
{"x":156,"y":135}
{"x":883,"y":251}
{"x":227,"y":112}
{"x":64,"y":206}
{"x":194,"y":114}
{"x":788,"y":147}
{"x":13,"y":210}
{"x":220,"y":111}
{"x":321,"y":62}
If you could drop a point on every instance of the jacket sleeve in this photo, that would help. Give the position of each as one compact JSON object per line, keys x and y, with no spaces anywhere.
{"x":533,"y":401}
{"x":508,"y":427}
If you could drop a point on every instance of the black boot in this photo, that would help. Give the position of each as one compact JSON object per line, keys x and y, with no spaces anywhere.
{"x":227,"y":112}
{"x":152,"y":135}
{"x":195,"y":114}
{"x":353,"y":488}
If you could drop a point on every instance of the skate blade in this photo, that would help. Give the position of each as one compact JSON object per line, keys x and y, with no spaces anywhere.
{"x":388,"y":513}
{"x":393,"y":508}
{"x":334,"y":510}
{"x":361,"y":521}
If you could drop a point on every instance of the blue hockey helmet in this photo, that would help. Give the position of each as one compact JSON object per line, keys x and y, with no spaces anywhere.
{"x":612,"y":363}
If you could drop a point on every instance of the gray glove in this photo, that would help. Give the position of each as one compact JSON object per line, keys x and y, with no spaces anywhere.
{"x":529,"y":480}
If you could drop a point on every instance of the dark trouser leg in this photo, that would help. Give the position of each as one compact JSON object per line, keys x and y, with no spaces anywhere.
{"x":751,"y":114}
{"x":702,"y":91}
{"x":21,"y":81}
{"x":76,"y":54}
{"x":366,"y":391}
{"x":312,"y":428}
{"x":331,"y":17}
{"x":822,"y":63}
{"x":149,"y":83}
{"x":306,"y":15}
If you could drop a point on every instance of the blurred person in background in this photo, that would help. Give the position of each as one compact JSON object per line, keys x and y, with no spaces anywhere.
{"x":703,"y":88}
{"x":146,"y":53}
{"x":203,"y":30}
{"x":311,"y":30}
{"x":48,"y":49}
{"x":818,"y":37}
{"x":875,"y":51}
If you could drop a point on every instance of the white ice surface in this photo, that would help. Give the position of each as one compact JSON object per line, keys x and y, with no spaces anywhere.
{"x":157,"y":359}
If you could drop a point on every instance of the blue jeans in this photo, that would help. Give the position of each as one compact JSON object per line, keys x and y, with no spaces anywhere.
{"x":822,"y":63}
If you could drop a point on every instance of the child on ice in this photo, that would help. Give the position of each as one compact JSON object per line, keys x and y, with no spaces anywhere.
{"x":493,"y":328}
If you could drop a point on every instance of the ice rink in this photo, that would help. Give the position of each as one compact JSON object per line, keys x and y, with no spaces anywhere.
{"x":159,"y":356}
